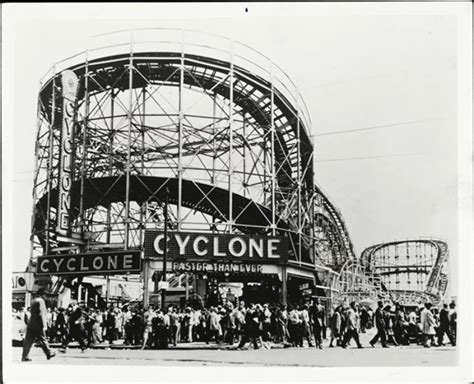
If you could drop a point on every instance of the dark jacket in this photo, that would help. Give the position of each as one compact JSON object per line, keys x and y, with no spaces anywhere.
{"x":317,"y":315}
{"x":444,"y":318}
{"x":76,"y":319}
{"x":379,"y":319}
{"x":38,"y":319}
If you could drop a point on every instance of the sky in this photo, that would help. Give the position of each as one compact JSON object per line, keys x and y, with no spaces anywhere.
{"x":381,"y":90}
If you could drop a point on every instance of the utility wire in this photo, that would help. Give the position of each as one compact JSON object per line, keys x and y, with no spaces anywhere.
{"x":376,"y":127}
{"x":373,"y":157}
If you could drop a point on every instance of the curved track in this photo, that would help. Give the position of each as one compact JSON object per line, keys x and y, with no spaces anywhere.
{"x":251,"y":95}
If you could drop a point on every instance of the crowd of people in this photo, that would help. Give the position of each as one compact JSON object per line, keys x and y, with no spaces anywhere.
{"x":243,"y":325}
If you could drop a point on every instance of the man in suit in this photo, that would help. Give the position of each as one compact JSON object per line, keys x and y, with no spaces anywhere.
{"x":76,"y":328}
{"x":317,"y":315}
{"x":444,"y":326}
{"x":380,"y":325}
{"x":36,"y":328}
{"x":351,"y":326}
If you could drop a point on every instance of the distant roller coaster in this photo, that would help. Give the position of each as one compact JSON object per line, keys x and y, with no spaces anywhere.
{"x":412,"y":271}
{"x":209,"y":121}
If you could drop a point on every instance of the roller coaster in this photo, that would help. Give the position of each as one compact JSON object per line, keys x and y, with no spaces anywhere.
{"x":212,"y":124}
{"x":412,"y":271}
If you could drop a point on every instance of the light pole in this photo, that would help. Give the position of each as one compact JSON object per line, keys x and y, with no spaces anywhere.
{"x":165,"y":250}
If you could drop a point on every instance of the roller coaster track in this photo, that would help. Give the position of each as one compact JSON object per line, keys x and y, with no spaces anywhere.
{"x":338,"y":235}
{"x":251,"y":94}
{"x":199,"y":196}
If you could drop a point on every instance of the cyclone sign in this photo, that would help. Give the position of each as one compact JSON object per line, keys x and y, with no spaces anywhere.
{"x":69,"y":93}
{"x":90,"y":263}
{"x":199,"y":246}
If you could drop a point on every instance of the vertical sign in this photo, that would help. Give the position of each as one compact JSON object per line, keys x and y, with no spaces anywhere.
{"x":69,"y":93}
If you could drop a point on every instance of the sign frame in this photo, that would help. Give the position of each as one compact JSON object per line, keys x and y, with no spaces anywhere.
{"x":136,"y":257}
{"x":200,"y":240}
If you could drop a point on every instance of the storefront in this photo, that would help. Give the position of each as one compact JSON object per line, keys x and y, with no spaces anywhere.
{"x":201,"y":269}
{"x":205,"y":266}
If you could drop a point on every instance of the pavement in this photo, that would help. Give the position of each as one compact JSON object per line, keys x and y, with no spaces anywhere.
{"x":202,"y":354}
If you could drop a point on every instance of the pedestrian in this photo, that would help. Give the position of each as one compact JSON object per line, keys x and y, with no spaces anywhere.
{"x":148,"y":317}
{"x":163,"y":330}
{"x":118,"y":323}
{"x":400,"y":327}
{"x":214,"y":325}
{"x":76,"y":328}
{"x":336,"y":327}
{"x":444,"y":326}
{"x":188,"y":324}
{"x":240,"y":321}
{"x":261,"y":318}
{"x":203,"y":313}
{"x":61,"y":326}
{"x":88,"y":323}
{"x":293,"y":325}
{"x":280,"y":325}
{"x":453,"y":321}
{"x":250,"y":328}
{"x":389,"y":325}
{"x":110,"y":324}
{"x":173,"y":327}
{"x":317,"y":317}
{"x":380,"y":325}
{"x":36,"y":328}
{"x":351,"y":326}
{"x":364,"y":319}
{"x":266,"y":323}
{"x":428,"y":323}
{"x":127,"y":317}
{"x":136,"y":326}
{"x":306,"y":324}
{"x":96,"y":319}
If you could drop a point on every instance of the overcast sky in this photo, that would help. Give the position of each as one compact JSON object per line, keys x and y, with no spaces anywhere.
{"x":393,"y":74}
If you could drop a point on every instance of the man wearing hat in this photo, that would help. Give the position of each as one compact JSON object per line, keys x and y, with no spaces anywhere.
{"x":444,"y":327}
{"x":380,"y":325}
{"x":36,"y":328}
{"x":76,"y":328}
{"x":317,"y":315}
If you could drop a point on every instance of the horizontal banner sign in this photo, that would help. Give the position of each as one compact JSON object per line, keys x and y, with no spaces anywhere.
{"x":90,"y":263}
{"x":204,"y":267}
{"x":217,"y":247}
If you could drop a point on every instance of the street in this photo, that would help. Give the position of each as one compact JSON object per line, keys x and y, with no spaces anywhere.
{"x":198,"y":354}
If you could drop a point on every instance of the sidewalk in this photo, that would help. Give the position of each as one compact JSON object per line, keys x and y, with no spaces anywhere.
{"x":198,"y":345}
